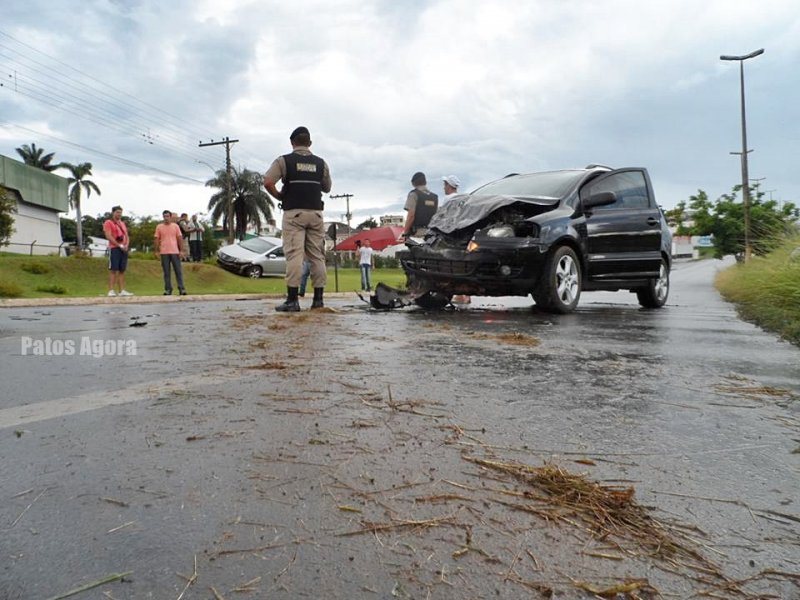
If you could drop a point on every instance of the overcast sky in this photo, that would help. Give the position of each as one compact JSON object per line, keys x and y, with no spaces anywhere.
{"x":475,"y":88}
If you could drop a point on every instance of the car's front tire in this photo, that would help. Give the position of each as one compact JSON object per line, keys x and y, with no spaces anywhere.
{"x":253,"y":272}
{"x":657,"y":291}
{"x":560,"y":287}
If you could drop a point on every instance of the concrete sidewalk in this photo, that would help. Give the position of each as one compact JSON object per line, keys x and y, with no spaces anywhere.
{"x":93,"y":300}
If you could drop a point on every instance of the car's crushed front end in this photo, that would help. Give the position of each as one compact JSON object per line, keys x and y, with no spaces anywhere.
{"x":233,"y":264}
{"x":480,"y":245}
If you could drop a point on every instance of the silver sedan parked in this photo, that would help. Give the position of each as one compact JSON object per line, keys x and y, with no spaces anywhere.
{"x":254,"y":258}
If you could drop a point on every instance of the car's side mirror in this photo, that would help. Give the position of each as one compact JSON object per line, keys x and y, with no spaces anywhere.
{"x":600,"y":199}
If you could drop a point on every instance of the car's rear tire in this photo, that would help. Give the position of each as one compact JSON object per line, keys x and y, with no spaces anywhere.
{"x":560,"y":287}
{"x":253,"y":272}
{"x":657,"y":291}
{"x":433,"y":300}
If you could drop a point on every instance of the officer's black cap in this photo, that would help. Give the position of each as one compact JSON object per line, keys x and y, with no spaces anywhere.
{"x":418,"y":178}
{"x":299,"y":131}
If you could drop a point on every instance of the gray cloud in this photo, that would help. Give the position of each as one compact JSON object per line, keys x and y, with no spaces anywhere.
{"x":474,"y":88}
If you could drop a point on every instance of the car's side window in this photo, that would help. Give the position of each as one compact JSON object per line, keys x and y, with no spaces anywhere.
{"x":277,"y":253}
{"x":629,"y":186}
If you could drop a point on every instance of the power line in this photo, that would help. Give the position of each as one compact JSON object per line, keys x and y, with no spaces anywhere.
{"x":114,"y":122}
{"x":101,"y":102}
{"x":21,"y":43}
{"x":96,"y":104}
{"x":105,"y":154}
{"x":89,"y":118}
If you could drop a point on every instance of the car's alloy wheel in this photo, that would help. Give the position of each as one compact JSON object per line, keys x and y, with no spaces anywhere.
{"x":254,"y":272}
{"x":657,"y":291}
{"x":560,"y":288}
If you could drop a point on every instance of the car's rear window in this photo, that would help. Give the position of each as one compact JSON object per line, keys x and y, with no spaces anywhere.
{"x":552,"y":184}
{"x":257,"y":245}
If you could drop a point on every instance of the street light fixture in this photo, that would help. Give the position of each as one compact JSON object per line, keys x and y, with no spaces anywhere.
{"x":745,"y":182}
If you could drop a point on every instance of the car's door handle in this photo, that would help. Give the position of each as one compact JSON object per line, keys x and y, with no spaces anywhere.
{"x":652,"y":221}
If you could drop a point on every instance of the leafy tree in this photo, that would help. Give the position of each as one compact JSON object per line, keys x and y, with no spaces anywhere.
{"x":210,"y":243}
{"x":35,"y":157}
{"x":94,"y":225}
{"x":79,"y":183}
{"x":69,"y":230}
{"x":251,"y":203}
{"x":368,"y":224}
{"x":141,"y":233}
{"x":7,"y":208}
{"x":724,"y":220}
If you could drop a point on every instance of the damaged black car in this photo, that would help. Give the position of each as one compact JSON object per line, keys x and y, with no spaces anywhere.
{"x":551,"y":235}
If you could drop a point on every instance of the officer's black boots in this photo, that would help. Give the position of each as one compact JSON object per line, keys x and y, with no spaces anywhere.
{"x":317,"y":303}
{"x":292,"y":304}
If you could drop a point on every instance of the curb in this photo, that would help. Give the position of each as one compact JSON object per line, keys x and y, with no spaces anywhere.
{"x":87,"y":301}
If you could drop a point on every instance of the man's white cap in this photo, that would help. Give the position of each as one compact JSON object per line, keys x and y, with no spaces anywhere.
{"x":452,"y":180}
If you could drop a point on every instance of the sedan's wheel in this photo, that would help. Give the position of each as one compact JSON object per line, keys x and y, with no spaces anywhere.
{"x":657,"y":291}
{"x":433,"y":300}
{"x":560,"y":287}
{"x":253,"y":272}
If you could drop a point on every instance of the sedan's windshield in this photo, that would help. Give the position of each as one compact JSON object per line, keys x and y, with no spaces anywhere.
{"x":552,"y":184}
{"x":257,"y":245}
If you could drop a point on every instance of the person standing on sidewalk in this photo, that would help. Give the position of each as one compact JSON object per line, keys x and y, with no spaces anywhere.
{"x":196,"y":239}
{"x":366,"y":262}
{"x":116,"y":233}
{"x":168,"y":239}
{"x":305,"y":177}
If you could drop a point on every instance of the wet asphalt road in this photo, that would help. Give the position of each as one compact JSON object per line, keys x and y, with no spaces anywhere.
{"x":327,"y":454}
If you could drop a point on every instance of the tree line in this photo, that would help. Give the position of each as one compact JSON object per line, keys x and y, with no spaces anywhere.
{"x":771,"y":221}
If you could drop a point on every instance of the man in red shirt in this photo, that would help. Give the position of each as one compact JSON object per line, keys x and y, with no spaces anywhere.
{"x":116,"y":233}
{"x":168,"y":240}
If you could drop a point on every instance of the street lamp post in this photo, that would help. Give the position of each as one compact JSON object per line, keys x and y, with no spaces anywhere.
{"x":745,"y":182}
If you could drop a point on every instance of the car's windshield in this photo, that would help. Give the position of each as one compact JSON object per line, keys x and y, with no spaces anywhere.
{"x":552,"y":184}
{"x":257,"y":245}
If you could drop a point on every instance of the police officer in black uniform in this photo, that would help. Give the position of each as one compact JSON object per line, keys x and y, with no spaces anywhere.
{"x":305,"y":177}
{"x":421,"y":205}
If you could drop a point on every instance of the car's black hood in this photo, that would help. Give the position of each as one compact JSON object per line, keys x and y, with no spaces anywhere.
{"x":464,"y":210}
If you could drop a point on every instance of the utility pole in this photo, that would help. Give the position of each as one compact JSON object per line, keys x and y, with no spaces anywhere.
{"x":745,"y":151}
{"x":227,"y":142}
{"x":347,"y":215}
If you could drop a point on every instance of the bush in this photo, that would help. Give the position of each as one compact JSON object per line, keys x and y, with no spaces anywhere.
{"x":52,"y":289}
{"x":9,"y":290}
{"x":386,"y":262}
{"x":36,"y":268}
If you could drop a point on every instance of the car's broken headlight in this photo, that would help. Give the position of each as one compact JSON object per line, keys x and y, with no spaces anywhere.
{"x":500,"y":231}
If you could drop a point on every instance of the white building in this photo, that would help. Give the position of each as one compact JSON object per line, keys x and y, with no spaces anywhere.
{"x":393,"y":221}
{"x":40,"y":198}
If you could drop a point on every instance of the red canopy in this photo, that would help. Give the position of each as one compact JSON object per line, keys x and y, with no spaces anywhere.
{"x":379,"y":238}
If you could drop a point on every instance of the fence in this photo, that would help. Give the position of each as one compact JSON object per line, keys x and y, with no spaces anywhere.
{"x":63,"y":249}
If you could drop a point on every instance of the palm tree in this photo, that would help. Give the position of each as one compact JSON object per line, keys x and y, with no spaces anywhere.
{"x":79,"y":183}
{"x":35,"y":157}
{"x":251,"y":203}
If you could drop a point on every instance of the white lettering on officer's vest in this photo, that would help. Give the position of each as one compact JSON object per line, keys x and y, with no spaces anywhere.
{"x":307,"y":167}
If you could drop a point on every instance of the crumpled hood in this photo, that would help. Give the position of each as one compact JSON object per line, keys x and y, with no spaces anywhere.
{"x":236,"y":251}
{"x":464,"y":210}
